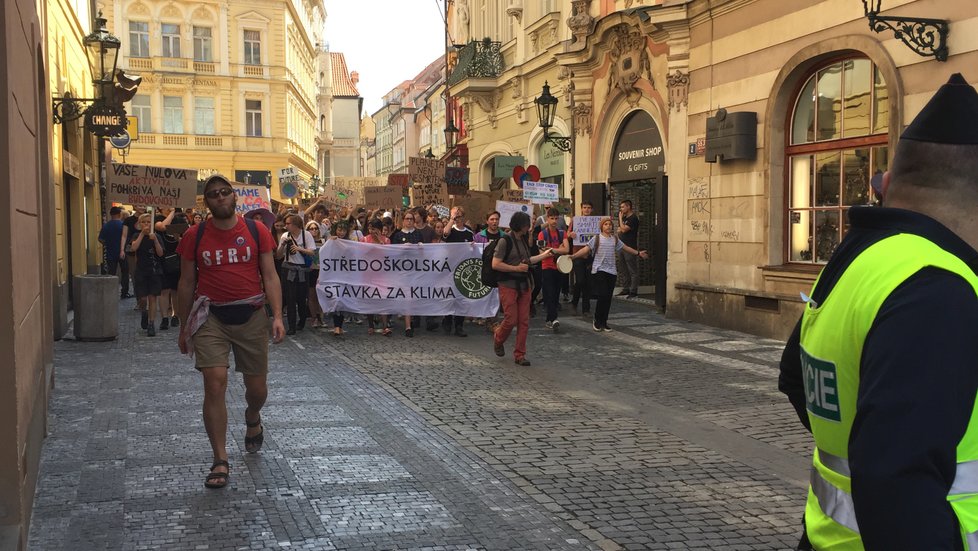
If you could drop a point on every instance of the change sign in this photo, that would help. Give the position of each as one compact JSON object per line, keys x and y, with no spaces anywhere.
{"x":152,"y":186}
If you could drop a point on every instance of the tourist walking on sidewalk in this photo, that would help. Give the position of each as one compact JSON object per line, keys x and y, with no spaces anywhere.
{"x":512,"y":258}
{"x":603,"y":269}
{"x":226,"y":275}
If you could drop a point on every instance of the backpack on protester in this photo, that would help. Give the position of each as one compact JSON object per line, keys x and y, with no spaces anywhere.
{"x":490,"y":277}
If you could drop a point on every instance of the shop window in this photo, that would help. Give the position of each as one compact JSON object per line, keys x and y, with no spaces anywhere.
{"x":838,"y":145}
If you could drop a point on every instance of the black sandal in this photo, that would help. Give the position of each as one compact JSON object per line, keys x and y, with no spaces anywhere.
{"x":218,"y":480}
{"x":253,"y":443}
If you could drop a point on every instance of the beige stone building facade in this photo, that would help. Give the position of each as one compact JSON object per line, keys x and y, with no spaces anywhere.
{"x":227,"y":86}
{"x":805,"y":103}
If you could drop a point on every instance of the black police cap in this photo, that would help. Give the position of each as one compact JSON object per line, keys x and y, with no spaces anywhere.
{"x":950,"y":117}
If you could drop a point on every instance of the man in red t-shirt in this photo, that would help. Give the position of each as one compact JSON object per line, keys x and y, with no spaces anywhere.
{"x":552,"y":238}
{"x":222,"y":275}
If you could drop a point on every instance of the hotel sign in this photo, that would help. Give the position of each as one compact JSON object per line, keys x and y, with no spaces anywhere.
{"x":105,"y":120}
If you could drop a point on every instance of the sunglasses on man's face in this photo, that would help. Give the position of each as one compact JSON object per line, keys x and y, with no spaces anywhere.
{"x":222,"y":192}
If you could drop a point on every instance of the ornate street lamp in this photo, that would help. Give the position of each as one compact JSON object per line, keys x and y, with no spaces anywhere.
{"x":451,"y":134}
{"x":546,"y":110}
{"x":314,"y":185}
{"x":102,"y":49}
{"x":926,"y":37}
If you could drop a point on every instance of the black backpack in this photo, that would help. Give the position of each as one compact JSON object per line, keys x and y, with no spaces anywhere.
{"x":490,"y":277}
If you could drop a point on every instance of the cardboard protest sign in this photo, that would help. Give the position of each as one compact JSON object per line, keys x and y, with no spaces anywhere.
{"x":426,"y":171}
{"x":586,"y":227}
{"x":384,"y":197}
{"x":457,"y":179}
{"x":402,"y":180}
{"x":251,"y":198}
{"x":477,"y":204}
{"x":442,"y":210}
{"x":348,"y":192}
{"x":152,"y":186}
{"x":507,"y":210}
{"x":426,"y":194}
{"x":540,"y":193}
{"x":564,"y":207}
{"x":512,"y":195}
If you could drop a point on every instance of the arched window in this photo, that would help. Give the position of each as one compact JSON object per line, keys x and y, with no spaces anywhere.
{"x":837,"y":146}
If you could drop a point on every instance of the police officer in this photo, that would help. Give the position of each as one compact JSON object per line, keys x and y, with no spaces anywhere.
{"x":884,"y":363}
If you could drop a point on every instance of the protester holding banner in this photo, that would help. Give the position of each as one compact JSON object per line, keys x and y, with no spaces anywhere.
{"x":297,"y":245}
{"x":604,"y":271}
{"x":315,"y":312}
{"x":341,"y":230}
{"x":147,"y":277}
{"x":428,"y":231}
{"x":376,"y":236}
{"x":457,"y":232}
{"x":512,"y":258}
{"x":407,"y":235}
{"x":582,"y":267}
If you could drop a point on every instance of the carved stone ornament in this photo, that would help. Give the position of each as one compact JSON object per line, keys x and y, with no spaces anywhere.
{"x":467,"y":119}
{"x":678,"y":84}
{"x":488,"y":103}
{"x":629,"y":62}
{"x":628,"y":3}
{"x":517,"y":85}
{"x":582,"y":119}
{"x":581,"y":23}
{"x":515,"y":10}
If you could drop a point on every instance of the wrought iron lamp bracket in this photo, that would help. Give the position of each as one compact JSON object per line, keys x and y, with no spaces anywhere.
{"x":560,"y":142}
{"x":926,"y":37}
{"x":69,"y":108}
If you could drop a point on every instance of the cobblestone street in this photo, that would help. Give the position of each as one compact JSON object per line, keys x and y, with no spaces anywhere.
{"x":659,"y":435}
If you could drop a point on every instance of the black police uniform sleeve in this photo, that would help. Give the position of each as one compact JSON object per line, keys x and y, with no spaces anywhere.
{"x":791,"y":380}
{"x":918,"y":380}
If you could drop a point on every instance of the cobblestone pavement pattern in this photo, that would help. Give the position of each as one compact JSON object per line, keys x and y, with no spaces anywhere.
{"x":659,"y":435}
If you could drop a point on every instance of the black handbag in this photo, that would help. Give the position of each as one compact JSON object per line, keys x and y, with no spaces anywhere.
{"x":233,"y":314}
{"x":171,"y":264}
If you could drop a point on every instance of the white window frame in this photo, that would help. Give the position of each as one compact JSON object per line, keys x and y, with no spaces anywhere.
{"x":203,"y":45}
{"x":173,"y":116}
{"x":169,"y":42}
{"x":253,"y":119}
{"x":255,"y":47}
{"x":138,"y":40}
{"x":204,"y":116}
{"x":142,"y":112}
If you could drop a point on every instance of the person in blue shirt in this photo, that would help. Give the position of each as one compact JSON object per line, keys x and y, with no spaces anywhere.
{"x":110,"y":237}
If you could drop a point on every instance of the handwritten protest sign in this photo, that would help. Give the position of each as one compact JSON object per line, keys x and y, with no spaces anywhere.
{"x":426,"y":171}
{"x":425,"y":194}
{"x":507,"y":210}
{"x":251,"y":198}
{"x":512,"y":195}
{"x":442,"y":210}
{"x":540,"y":193}
{"x":348,"y":191}
{"x":477,"y":204}
{"x":402,"y":180}
{"x":384,"y":197}
{"x":586,"y":227}
{"x":152,"y":186}
{"x":457,"y":179}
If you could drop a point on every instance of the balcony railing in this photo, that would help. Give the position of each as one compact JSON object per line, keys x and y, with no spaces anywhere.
{"x":478,"y":59}
{"x":205,"y":67}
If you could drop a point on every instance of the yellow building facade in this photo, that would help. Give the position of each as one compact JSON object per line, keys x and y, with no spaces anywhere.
{"x":228,"y":87}
{"x":812,"y":96}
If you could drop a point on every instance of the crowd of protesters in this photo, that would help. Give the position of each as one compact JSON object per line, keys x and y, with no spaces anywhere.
{"x":145,"y":252}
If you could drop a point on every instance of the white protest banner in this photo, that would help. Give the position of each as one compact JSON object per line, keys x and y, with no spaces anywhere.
{"x":507,"y":210}
{"x":152,"y":186}
{"x":586,"y":227}
{"x":251,"y":198}
{"x":384,"y":197}
{"x":420,"y":280}
{"x":540,"y":193}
